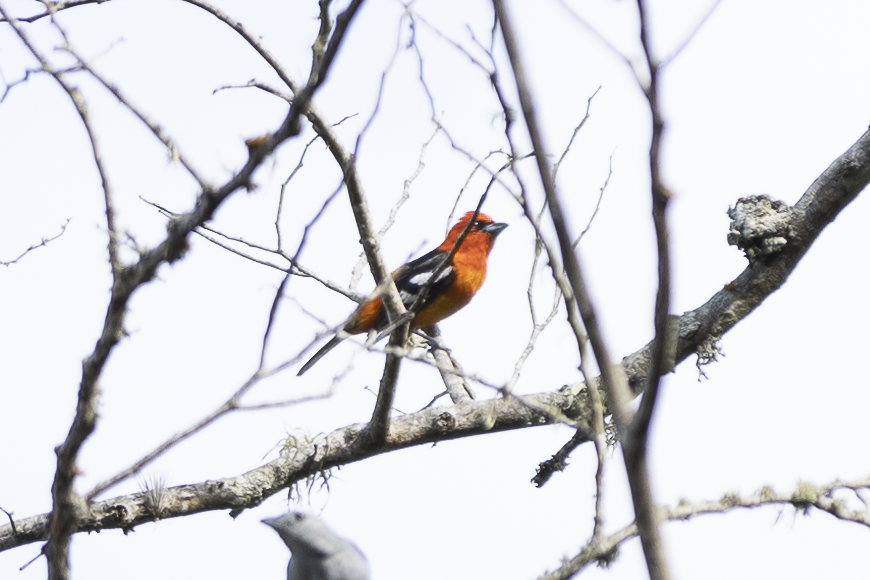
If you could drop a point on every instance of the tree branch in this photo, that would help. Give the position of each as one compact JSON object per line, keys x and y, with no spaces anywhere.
{"x":804,"y":497}
{"x":636,"y":436}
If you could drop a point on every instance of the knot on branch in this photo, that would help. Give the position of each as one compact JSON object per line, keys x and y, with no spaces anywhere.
{"x":760,"y":226}
{"x":108,"y":515}
{"x":445,"y":421}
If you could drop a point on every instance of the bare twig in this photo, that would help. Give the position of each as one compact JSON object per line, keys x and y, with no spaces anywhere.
{"x":559,"y":461}
{"x":579,"y":126}
{"x":26,"y":77}
{"x":227,"y":247}
{"x":273,"y":311}
{"x":284,"y":188}
{"x":255,"y":84}
{"x":537,"y":329}
{"x":290,"y":402}
{"x":11,"y":521}
{"x":42,"y":243}
{"x":598,"y":203}
{"x":301,"y":270}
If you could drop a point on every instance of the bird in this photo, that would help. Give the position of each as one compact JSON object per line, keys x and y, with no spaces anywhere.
{"x":316,"y":552}
{"x":453,"y":287}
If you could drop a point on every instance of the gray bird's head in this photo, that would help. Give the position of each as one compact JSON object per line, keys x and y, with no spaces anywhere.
{"x":318,"y":554}
{"x":306,"y":534}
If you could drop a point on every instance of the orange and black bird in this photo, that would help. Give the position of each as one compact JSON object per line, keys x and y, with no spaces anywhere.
{"x":454,"y":287}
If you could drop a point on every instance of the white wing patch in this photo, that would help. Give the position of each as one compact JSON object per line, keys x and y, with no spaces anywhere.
{"x":444,"y":273}
{"x":415,"y":284}
{"x":421,"y":279}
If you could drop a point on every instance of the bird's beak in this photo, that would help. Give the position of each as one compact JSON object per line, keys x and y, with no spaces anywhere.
{"x":494,"y":228}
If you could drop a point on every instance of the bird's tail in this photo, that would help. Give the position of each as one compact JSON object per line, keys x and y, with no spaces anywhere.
{"x":320,"y":354}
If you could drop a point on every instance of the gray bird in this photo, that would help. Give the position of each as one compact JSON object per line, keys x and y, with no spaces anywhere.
{"x":317,"y":553}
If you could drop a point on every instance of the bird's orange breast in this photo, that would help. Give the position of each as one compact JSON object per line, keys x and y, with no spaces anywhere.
{"x":470,"y":271}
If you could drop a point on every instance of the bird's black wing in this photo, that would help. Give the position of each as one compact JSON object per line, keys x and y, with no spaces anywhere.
{"x":412,"y":278}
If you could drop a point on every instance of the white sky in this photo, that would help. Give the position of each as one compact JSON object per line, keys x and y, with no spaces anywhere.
{"x":761,"y":101}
